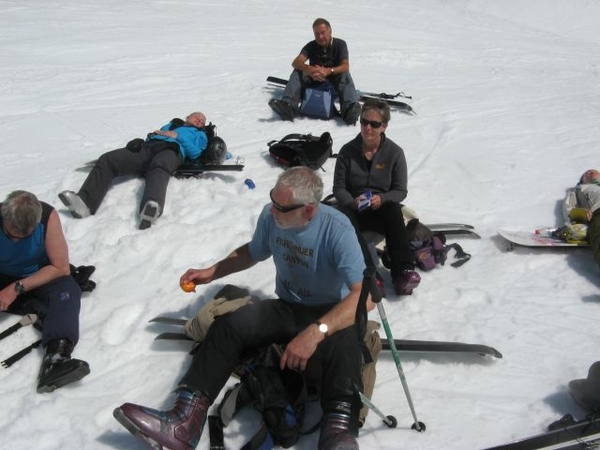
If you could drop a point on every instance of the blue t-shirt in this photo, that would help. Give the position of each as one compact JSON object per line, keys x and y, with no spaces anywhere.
{"x":316,"y":264}
{"x":192,"y":141}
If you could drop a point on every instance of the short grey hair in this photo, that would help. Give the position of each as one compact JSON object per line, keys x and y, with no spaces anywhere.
{"x":305,"y":184}
{"x":22,"y":210}
{"x":381,"y":106}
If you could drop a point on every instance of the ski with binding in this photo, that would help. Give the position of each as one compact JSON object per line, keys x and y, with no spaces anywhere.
{"x":192,"y":170}
{"x":454,"y":228}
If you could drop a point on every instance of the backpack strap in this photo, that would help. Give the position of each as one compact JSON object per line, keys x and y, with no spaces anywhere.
{"x":215,"y":430}
{"x":461,"y":255}
{"x":292,"y":137}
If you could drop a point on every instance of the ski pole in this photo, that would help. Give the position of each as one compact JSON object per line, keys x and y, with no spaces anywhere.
{"x":418,"y":426}
{"x":390,"y":421}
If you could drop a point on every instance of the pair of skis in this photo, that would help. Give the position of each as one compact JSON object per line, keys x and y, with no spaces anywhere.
{"x":187,"y":170}
{"x":389,"y":98}
{"x":403,"y":345}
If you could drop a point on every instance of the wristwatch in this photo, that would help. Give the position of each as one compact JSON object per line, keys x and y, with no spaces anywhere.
{"x":323,"y":328}
{"x":19,"y":288}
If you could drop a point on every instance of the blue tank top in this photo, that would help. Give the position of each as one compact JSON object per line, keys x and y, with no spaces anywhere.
{"x":26,"y":256}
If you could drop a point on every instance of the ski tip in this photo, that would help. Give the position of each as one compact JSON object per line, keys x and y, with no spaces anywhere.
{"x":168,"y":320}
{"x":496,"y":353}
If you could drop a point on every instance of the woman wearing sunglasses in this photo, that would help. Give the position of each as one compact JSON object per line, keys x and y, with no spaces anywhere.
{"x":370,"y":182}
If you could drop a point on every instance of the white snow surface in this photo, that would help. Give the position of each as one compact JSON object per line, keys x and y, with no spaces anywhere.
{"x":508,"y":110}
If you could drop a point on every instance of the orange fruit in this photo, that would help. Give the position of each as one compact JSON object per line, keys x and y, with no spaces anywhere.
{"x":190,"y":286}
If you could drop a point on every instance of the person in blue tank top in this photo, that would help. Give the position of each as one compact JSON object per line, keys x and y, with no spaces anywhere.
{"x":34,"y":264}
{"x":319,"y":272}
{"x":156,"y":159}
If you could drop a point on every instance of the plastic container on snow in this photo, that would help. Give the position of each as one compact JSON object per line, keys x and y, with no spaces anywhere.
{"x":545,"y":232}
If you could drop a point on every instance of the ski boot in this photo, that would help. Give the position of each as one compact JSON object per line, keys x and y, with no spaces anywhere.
{"x":78,"y":208}
{"x":179,"y":428}
{"x":406,"y":282}
{"x":352,"y":113}
{"x":149,"y":214}
{"x":58,"y":368}
{"x":337,"y":432}
{"x":586,"y":392}
{"x":283,"y":108}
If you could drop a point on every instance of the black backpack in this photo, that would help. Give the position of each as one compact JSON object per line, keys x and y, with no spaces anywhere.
{"x":279,"y":395}
{"x":302,"y":150}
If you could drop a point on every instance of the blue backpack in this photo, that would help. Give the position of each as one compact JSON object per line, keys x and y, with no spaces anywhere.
{"x":318,"y":101}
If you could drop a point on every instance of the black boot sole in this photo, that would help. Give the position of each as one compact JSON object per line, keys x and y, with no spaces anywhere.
{"x":133,"y":429}
{"x":82,"y":370}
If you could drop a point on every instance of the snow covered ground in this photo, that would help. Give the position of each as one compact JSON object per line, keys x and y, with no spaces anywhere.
{"x":508,"y":110}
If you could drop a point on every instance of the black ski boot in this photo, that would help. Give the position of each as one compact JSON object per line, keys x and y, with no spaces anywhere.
{"x":58,"y":368}
{"x":179,"y":428}
{"x":337,"y":429}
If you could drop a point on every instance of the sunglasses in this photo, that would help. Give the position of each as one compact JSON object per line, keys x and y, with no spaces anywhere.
{"x":281,"y":208}
{"x":374,"y":124}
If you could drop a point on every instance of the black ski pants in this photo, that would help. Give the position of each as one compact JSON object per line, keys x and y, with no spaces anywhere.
{"x":156,"y":160}
{"x":386,"y":220}
{"x":337,"y":362}
{"x":59,"y":301}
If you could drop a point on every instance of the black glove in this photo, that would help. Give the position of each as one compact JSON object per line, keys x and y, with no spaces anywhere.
{"x":135,"y":145}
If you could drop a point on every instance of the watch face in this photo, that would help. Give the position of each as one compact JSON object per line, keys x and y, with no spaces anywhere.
{"x":323,"y":328}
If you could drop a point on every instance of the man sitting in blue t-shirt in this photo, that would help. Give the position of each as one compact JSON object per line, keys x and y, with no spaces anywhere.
{"x":319,"y":270}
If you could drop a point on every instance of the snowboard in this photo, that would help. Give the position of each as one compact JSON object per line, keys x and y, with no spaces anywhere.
{"x":531,"y":239}
{"x":389,"y":98}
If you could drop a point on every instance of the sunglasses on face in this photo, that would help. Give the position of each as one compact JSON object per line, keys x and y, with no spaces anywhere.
{"x":374,"y":124}
{"x":281,"y":208}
